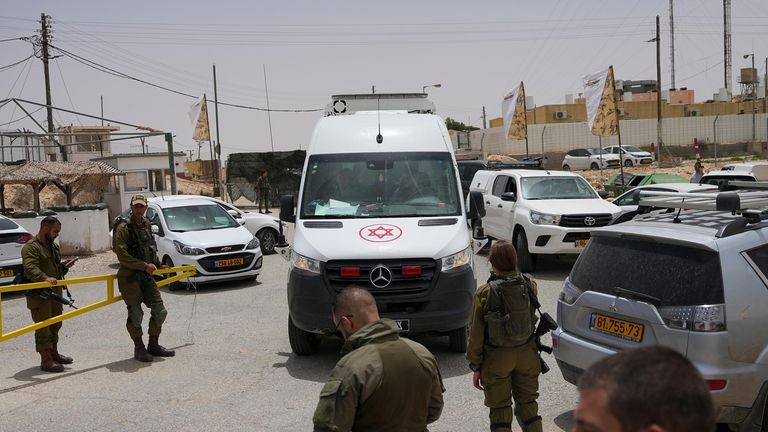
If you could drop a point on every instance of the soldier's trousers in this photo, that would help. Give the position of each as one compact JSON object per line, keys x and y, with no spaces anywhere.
{"x":41,"y":310}
{"x":134,"y":294}
{"x":263,"y":199}
{"x":507,"y":374}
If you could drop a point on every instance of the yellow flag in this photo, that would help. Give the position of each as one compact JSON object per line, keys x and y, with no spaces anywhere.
{"x":514,"y":115}
{"x":600,"y":94}
{"x":202,"y":131}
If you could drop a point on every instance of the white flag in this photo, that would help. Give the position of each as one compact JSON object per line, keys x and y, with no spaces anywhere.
{"x":194,"y":111}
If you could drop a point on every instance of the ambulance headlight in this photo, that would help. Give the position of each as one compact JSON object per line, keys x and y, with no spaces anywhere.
{"x":304,"y":264}
{"x":457,"y":261}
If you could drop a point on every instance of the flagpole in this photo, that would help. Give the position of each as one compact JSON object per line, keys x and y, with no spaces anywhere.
{"x":525,"y":116}
{"x":618,"y":128}
{"x":218,"y":138}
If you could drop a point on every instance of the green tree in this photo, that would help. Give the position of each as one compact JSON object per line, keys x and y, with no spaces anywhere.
{"x":452,"y":124}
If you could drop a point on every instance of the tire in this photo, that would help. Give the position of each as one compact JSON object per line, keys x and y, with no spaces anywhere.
{"x":175,"y":286}
{"x":526,"y":261}
{"x":267,"y":239}
{"x":457,"y":339}
{"x":302,"y":343}
{"x":628,"y":163}
{"x":566,"y":167}
{"x":594,"y":166}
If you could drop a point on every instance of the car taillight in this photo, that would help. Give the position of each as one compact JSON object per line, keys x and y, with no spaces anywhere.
{"x":716,"y":384}
{"x":570,"y":292}
{"x":350,"y":271}
{"x":411,"y":270}
{"x":24,"y":238}
{"x":706,"y":318}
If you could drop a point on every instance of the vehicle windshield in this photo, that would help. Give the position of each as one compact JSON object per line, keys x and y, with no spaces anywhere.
{"x":198,"y":218}
{"x":632,"y":149}
{"x":597,"y":151}
{"x":368,"y":185}
{"x":570,"y":187}
{"x":717,"y":179}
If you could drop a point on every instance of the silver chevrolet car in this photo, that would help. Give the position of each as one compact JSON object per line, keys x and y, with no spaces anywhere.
{"x":695,"y":280}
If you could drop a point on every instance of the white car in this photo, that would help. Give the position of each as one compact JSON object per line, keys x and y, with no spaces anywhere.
{"x":631,"y":155}
{"x":589,"y":158}
{"x":628,"y":202}
{"x":201,"y":233}
{"x":262,"y":226}
{"x":12,"y":239}
{"x":541,"y":212}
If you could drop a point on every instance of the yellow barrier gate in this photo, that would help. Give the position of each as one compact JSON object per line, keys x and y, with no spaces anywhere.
{"x":182,"y":273}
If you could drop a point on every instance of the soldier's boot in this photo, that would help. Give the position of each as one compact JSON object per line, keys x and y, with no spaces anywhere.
{"x":156,"y":349}
{"x":48,"y":364}
{"x":60,"y":358}
{"x":139,"y":351}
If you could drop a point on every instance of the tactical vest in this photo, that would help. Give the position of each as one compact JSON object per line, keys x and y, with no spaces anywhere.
{"x":141,"y":244}
{"x":510,"y":315}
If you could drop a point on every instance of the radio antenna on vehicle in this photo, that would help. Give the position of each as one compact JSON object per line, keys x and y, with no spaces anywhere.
{"x":379,"y":138}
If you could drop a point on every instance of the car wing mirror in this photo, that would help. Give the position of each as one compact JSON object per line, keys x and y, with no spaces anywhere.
{"x":157,"y":230}
{"x":287,"y":206}
{"x":603,"y":194}
{"x":235,"y":214}
{"x":476,"y":208}
{"x":509,"y":196}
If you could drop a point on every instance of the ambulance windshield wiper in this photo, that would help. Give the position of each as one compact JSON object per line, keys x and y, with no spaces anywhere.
{"x":622,"y":292}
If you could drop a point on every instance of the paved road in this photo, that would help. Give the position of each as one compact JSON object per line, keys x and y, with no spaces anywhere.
{"x":233,"y":371}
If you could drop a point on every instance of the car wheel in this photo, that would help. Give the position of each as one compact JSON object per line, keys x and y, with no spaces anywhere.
{"x":174,"y":286}
{"x":526,"y":261}
{"x":566,"y":167}
{"x":303,"y":343}
{"x":267,"y":239}
{"x":594,"y":166}
{"x":628,"y":163}
{"x":457,"y":339}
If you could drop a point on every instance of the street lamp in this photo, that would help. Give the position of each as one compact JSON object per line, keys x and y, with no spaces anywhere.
{"x":424,"y":88}
{"x":754,"y":94}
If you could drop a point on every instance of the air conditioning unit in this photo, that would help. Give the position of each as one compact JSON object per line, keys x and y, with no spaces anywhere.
{"x":621,"y":111}
{"x":694,"y":113}
{"x":561,"y":115}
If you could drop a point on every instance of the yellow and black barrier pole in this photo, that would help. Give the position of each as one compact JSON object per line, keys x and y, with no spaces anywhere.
{"x":182,"y":272}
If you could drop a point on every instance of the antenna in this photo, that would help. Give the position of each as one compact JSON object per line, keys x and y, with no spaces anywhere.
{"x":379,"y":138}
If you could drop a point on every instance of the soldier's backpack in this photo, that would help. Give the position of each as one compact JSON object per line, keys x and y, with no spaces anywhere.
{"x":510,"y":315}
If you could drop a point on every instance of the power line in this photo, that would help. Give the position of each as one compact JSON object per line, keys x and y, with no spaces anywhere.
{"x":105,"y":69}
{"x":2,"y":68}
{"x":21,"y":118}
{"x":67,"y":91}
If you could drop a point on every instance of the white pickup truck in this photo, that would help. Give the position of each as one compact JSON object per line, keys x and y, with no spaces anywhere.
{"x":541,"y":212}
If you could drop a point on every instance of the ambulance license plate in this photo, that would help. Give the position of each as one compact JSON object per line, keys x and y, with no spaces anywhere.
{"x":229,"y":262}
{"x":617,"y":327}
{"x":403,"y":324}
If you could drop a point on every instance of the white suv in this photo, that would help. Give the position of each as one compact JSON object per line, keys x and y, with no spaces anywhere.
{"x":541,"y":212}
{"x":694,"y":280}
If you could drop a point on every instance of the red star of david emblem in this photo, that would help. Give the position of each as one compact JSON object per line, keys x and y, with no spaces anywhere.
{"x":380,"y":232}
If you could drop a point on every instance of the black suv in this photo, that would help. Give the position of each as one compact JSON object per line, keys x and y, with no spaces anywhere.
{"x":468,"y":168}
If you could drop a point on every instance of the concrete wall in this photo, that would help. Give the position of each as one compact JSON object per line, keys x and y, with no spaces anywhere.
{"x":84,"y":232}
{"x":676,"y":132}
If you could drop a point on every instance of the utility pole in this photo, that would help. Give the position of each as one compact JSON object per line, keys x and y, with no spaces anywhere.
{"x":484,"y":119}
{"x":658,"y":92}
{"x":672,"y":38}
{"x":218,"y":138}
{"x":45,"y":34}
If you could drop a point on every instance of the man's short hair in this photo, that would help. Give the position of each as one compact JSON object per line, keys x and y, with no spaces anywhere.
{"x":652,"y":385}
{"x":354,"y":298}
{"x":49,"y":220}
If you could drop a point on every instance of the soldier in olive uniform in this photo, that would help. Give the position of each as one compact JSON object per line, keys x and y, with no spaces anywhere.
{"x":42,"y":263}
{"x":137,"y":252}
{"x":383,"y":382}
{"x":262,"y":187}
{"x":501,"y":371}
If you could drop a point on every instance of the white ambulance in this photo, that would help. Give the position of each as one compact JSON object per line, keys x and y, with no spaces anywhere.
{"x":380,"y":207}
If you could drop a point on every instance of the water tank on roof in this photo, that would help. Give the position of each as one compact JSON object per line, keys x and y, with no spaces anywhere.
{"x":569,"y":99}
{"x":748,"y":75}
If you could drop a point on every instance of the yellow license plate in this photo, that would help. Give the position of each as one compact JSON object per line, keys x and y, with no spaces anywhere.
{"x":617,"y":327}
{"x":582,"y":243}
{"x":229,"y":262}
{"x":7,"y":273}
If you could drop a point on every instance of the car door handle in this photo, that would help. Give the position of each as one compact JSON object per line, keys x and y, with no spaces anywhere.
{"x":488,"y":202}
{"x":499,"y":206}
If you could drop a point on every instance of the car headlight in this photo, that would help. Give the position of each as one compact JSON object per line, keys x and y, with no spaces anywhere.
{"x":457,"y":261}
{"x":253,"y":244}
{"x":304,"y":264}
{"x":187,"y":250}
{"x":544,"y":218}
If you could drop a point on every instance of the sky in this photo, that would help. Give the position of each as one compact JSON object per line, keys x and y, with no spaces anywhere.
{"x":312,"y":49}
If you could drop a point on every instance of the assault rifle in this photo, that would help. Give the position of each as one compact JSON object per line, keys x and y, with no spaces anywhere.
{"x":546,"y":324}
{"x":47,"y":293}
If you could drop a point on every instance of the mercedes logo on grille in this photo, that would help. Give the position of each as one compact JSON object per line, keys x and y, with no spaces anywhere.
{"x":381,"y":276}
{"x":589,"y":221}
